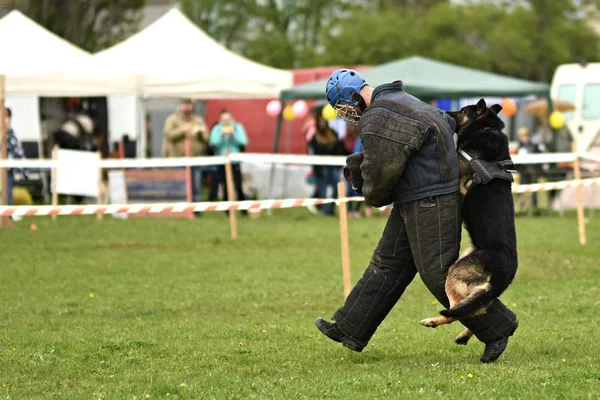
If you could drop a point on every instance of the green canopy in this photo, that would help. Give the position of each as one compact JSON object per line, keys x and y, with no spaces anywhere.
{"x":429,"y":79}
{"x":426,"y":79}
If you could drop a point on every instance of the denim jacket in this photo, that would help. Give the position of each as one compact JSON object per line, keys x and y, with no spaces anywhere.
{"x":408,"y":146}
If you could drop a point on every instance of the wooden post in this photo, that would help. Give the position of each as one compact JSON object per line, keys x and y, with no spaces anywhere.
{"x":100,"y":188}
{"x":188,"y":177}
{"x":54,"y":179}
{"x":230,"y":196}
{"x":343,"y":211}
{"x":579,"y":189}
{"x":5,"y":222}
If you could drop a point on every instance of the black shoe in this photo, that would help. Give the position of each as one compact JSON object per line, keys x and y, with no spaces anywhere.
{"x":493,"y":350}
{"x":332,"y":331}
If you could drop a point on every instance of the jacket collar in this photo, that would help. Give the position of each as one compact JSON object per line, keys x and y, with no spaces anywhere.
{"x":395,"y":86}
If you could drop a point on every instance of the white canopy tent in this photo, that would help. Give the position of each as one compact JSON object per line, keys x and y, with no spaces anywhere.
{"x":38,"y":62}
{"x":170,"y":58}
{"x":174,"y":58}
{"x":35,"y":62}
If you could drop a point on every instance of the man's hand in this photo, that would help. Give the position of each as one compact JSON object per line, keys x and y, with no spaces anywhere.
{"x":193,"y":131}
{"x":187,"y":128}
{"x":352,"y":172}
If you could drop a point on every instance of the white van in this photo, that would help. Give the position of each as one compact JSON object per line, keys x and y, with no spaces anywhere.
{"x":580,"y":85}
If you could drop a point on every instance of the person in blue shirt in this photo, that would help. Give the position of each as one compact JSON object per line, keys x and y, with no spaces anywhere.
{"x":227,"y":137}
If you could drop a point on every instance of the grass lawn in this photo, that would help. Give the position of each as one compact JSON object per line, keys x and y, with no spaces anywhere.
{"x":175,"y":309}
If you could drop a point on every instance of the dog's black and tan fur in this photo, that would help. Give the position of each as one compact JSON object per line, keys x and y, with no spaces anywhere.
{"x":475,"y":280}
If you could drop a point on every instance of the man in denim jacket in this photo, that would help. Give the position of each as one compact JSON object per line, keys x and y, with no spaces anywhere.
{"x":409,"y":159}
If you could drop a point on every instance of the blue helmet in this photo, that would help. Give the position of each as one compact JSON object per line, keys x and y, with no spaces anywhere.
{"x":344,"y":84}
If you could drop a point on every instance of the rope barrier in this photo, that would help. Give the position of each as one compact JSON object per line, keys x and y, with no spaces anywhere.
{"x":167,"y":208}
{"x":255,"y":158}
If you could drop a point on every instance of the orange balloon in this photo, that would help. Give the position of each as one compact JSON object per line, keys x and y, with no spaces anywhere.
{"x":509,"y":107}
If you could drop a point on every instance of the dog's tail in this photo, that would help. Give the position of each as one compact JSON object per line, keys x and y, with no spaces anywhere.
{"x":479,"y":298}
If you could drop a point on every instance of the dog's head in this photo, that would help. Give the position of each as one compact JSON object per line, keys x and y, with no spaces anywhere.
{"x":480,"y":112}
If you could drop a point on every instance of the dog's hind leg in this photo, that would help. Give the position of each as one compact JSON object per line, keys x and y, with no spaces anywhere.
{"x":437,"y":321}
{"x":454,"y":297}
{"x":464,"y":337}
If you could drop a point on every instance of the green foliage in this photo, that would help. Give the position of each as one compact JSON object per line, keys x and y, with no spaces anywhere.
{"x":116,"y":309}
{"x":226,"y":21}
{"x":281,"y":33}
{"x":524,"y":39}
{"x":527,"y":42}
{"x":91,"y":25}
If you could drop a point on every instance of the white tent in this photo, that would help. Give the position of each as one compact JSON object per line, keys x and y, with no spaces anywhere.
{"x":174,"y":58}
{"x":36,"y":61}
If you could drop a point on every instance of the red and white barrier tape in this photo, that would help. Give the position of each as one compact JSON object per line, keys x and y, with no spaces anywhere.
{"x":164,"y":208}
{"x":167,"y":208}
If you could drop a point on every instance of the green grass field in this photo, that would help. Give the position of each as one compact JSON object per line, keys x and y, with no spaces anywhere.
{"x":175,"y":309}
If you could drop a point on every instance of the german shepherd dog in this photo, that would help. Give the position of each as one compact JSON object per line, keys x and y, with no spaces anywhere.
{"x":481,"y":276}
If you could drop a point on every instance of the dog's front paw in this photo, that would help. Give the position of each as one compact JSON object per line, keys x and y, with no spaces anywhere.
{"x":429,"y":322}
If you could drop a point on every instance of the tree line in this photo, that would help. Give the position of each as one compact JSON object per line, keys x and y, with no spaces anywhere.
{"x":521,"y":38}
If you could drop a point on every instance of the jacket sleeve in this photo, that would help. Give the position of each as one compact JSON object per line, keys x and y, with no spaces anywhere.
{"x":240,"y":137}
{"x":387,"y":146}
{"x":216,"y":138}
{"x":173,"y":131}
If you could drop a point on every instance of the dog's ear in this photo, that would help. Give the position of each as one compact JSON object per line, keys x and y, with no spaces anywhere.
{"x":496,"y":108}
{"x":481,"y":107}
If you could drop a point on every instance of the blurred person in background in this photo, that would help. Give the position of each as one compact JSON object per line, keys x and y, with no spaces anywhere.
{"x":228,"y":137}
{"x":308,"y":131}
{"x":77,"y":133}
{"x":148,"y":136}
{"x":528,"y":172}
{"x":14,"y":151}
{"x":179,"y":126}
{"x":325,"y":142}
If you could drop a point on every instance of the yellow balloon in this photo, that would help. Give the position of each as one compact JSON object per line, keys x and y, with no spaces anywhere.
{"x":21,"y":196}
{"x":288,"y":113}
{"x":557,"y":120}
{"x":329,"y":112}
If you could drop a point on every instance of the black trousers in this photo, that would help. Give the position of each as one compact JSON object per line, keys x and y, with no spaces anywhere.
{"x":420,"y":236}
{"x":218,"y":178}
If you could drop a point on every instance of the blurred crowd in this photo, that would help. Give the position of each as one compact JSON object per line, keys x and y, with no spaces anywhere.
{"x":226,"y":136}
{"x":186,"y":133}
